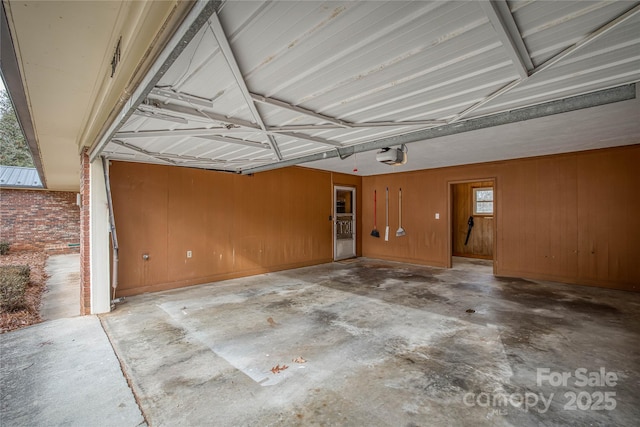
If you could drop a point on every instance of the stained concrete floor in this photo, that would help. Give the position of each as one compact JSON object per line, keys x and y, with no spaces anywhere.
{"x":384,"y":344}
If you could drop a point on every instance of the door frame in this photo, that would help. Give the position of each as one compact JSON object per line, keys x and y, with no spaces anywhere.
{"x":450,"y":185}
{"x":354,"y":204}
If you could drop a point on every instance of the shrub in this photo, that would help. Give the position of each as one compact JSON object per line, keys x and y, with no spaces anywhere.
{"x":13,"y":285}
{"x":4,"y":248}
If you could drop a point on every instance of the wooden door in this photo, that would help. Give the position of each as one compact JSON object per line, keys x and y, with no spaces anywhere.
{"x":480,"y":242}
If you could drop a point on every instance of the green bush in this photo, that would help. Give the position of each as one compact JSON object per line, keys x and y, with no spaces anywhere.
{"x":13,"y":285}
{"x":4,"y":248}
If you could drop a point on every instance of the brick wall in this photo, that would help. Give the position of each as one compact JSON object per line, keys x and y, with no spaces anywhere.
{"x":85,"y":227}
{"x":38,"y":219}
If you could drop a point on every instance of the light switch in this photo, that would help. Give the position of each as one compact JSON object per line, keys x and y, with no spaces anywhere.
{"x":437,"y":215}
{"x":189,"y":254}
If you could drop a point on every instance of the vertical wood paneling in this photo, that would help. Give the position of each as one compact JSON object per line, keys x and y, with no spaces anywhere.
{"x":234,"y":225}
{"x":140,"y":202}
{"x":609,"y":207}
{"x":569,"y":217}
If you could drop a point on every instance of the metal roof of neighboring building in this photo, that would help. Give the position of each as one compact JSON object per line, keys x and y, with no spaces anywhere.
{"x":19,"y":177}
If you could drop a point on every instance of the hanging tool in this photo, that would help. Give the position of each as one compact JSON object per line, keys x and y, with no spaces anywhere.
{"x":386,"y":230}
{"x":470,"y":223}
{"x":400,"y":231}
{"x":375,"y":232}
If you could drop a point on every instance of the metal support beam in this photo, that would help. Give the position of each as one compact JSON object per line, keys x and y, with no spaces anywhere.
{"x":552,"y":61}
{"x":238,"y":141}
{"x":589,"y":39}
{"x":225,"y":48}
{"x":502,"y":21}
{"x":179,"y":132}
{"x":142,"y":151}
{"x":243,"y":126}
{"x":297,"y":109}
{"x":311,"y":138}
{"x":172,"y":94}
{"x":192,"y":113}
{"x":160,"y":116}
{"x":196,"y":19}
{"x":179,"y":159}
{"x":617,"y":94}
{"x":337,"y":123}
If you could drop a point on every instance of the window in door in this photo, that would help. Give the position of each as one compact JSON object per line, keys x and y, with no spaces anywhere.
{"x":483,"y":201}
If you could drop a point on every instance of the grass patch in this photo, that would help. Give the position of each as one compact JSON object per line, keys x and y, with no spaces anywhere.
{"x":4,"y":248}
{"x":13,"y":286}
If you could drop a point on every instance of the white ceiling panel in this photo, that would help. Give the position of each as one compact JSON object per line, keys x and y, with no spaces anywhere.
{"x":269,"y":84}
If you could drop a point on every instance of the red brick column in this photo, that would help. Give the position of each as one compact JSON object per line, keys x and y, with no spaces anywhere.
{"x":85,"y":230}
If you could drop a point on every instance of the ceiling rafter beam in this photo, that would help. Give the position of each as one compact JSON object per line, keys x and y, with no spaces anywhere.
{"x":190,"y":112}
{"x":160,"y":116}
{"x":142,"y":151}
{"x":238,"y":141}
{"x":588,"y":40}
{"x":225,"y":48}
{"x":196,"y":19}
{"x":311,"y":139}
{"x":179,"y":132}
{"x":297,"y":109}
{"x":554,"y":60}
{"x":607,"y":96}
{"x":505,"y":26}
{"x":243,"y":126}
{"x":179,"y":96}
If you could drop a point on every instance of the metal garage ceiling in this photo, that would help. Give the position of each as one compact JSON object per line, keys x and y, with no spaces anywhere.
{"x":269,"y":84}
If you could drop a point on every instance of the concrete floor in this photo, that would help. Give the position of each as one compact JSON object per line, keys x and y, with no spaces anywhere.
{"x":384,"y":344}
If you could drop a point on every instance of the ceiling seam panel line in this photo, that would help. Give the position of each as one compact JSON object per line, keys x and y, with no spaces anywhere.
{"x":197,"y":18}
{"x":552,"y":61}
{"x":502,"y":21}
{"x":593,"y":99}
{"x":225,"y":48}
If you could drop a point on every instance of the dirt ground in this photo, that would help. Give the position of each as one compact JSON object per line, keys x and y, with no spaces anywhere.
{"x":30,"y":314}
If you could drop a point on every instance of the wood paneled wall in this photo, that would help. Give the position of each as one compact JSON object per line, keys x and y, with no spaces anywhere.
{"x":480,"y":243}
{"x":234,"y":225}
{"x":570,"y":218}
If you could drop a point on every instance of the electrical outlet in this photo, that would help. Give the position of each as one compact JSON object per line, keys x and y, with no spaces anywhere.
{"x":189,"y":254}
{"x":437,"y":216}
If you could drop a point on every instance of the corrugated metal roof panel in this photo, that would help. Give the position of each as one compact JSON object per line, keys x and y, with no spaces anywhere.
{"x":19,"y":177}
{"x":549,"y":27}
{"x":326,"y":67}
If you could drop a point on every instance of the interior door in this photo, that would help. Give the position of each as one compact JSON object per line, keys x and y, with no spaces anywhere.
{"x":344,"y":224}
{"x":473,"y":203}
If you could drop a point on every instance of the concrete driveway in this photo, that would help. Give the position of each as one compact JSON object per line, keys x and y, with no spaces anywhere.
{"x":63,"y":371}
{"x":379,"y":343}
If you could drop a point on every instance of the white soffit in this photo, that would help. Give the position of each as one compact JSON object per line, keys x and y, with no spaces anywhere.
{"x":265,"y":84}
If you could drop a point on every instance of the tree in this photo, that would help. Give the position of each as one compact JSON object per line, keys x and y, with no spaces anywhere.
{"x":13,"y":147}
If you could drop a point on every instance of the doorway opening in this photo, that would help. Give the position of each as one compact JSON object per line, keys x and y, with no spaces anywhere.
{"x":344,"y":223}
{"x":472,"y":226}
